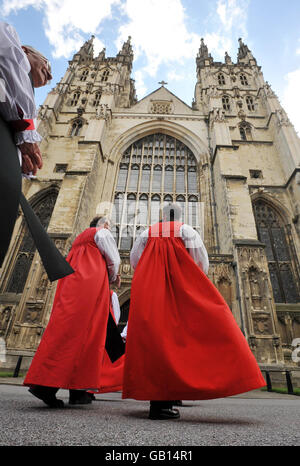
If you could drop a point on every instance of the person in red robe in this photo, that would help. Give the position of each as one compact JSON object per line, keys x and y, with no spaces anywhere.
{"x":72,"y":348}
{"x":112,"y":372}
{"x":183,"y":342}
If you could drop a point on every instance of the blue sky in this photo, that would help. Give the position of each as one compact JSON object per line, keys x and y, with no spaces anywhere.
{"x":166,"y":37}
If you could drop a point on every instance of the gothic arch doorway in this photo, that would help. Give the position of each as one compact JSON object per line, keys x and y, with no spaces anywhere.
{"x":273,"y":232}
{"x":43,"y":208}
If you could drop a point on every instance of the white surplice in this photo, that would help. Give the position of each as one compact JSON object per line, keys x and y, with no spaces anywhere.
{"x":191,"y":239}
{"x":108,"y":248}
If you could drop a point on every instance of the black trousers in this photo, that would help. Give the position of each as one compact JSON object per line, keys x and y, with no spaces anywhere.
{"x":10,"y":197}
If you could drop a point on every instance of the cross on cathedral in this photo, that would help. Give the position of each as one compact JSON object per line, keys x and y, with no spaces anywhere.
{"x":162,"y":83}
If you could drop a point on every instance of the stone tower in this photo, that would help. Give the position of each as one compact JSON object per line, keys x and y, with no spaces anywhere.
{"x":233,"y":152}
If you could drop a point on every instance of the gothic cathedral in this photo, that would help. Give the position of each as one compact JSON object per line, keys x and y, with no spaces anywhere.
{"x":231,"y":160}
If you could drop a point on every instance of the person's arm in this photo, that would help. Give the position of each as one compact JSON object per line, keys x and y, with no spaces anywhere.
{"x":194,"y":245}
{"x":108,"y":248}
{"x":17,"y":105}
{"x":116,"y":306}
{"x":124,"y":333}
{"x":138,"y":248}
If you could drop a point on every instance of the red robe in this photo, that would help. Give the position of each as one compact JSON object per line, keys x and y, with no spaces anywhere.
{"x":183,"y":342}
{"x":111,"y":373}
{"x":72,"y":348}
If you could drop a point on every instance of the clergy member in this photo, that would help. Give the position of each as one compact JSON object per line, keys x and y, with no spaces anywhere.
{"x":112,"y":372}
{"x":183,"y":342}
{"x":21,"y":69}
{"x":72,"y":348}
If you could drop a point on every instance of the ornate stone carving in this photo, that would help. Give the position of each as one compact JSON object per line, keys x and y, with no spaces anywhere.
{"x":32,"y":314}
{"x":218,"y":115}
{"x":161,"y":106}
{"x":268,"y":91}
{"x":262,"y":324}
{"x":5,"y":316}
{"x":103,"y":112}
{"x":283,"y":119}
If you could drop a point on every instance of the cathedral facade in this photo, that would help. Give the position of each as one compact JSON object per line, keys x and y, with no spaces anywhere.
{"x":231,"y":160}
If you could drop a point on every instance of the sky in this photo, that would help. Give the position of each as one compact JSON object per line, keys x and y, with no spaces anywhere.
{"x":166,"y":38}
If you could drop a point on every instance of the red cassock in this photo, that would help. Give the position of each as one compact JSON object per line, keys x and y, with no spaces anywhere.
{"x":72,"y":348}
{"x":183,"y":342}
{"x":111,"y":373}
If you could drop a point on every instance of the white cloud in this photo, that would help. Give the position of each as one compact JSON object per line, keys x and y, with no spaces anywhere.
{"x":291,"y":98}
{"x":159,"y":29}
{"x":140,"y":86}
{"x":65,"y":20}
{"x":159,"y":32}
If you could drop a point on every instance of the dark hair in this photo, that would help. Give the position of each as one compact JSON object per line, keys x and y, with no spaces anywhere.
{"x":172,"y":212}
{"x":94,"y":222}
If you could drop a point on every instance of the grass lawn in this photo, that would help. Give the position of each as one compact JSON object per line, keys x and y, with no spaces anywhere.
{"x":11,"y":374}
{"x":282,"y":390}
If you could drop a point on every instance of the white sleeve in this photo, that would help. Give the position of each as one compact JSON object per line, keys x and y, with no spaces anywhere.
{"x":116,"y":306}
{"x":108,"y":248}
{"x":194,"y":245}
{"x":124,"y":332}
{"x":15,"y":83}
{"x":138,"y":248}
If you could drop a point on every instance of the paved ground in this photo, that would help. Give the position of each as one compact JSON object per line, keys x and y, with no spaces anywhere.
{"x":256,"y":418}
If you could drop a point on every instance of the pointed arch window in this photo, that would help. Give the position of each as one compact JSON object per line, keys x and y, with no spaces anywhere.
{"x":226,"y":102}
{"x":97,"y":98}
{"x":155,"y":208}
{"x":105,"y":75}
{"x":181,"y":201}
{"x":23,"y":259}
{"x":245,"y":131}
{"x":76,"y":127}
{"x":250,"y":103}
{"x":155,"y":169}
{"x":75,"y":99}
{"x":84,"y":75}
{"x":221,"y":79}
{"x":243,"y":79}
{"x":156,"y":181}
{"x":276,"y":236}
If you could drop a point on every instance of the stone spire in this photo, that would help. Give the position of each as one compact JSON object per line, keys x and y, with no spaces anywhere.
{"x":101,"y":55}
{"x":86,"y":51}
{"x":203,"y":57}
{"x":125,"y":55}
{"x":244,"y":53}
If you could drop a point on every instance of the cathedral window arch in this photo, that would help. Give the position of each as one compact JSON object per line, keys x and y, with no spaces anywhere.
{"x":273,"y":231}
{"x":244,"y":79}
{"x":105,"y":75}
{"x":155,"y":169}
{"x":84,"y":75}
{"x":250,"y":103}
{"x":221,"y":79}
{"x":75,"y":99}
{"x":245,"y":131}
{"x":43,"y":208}
{"x":76,"y":127}
{"x":226,"y":102}
{"x":97,"y":98}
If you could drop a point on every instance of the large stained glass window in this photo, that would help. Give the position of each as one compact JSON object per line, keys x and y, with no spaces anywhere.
{"x":154,"y":171}
{"x":283,"y":272}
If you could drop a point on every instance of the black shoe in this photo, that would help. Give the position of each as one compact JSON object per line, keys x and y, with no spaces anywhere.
{"x":177,"y":403}
{"x":91,"y":395}
{"x":47,"y":395}
{"x":164,"y":413}
{"x":79,"y":397}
